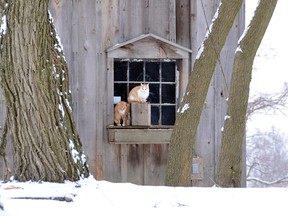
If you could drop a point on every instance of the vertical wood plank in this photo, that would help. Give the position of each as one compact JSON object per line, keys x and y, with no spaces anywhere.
{"x":183,"y":23}
{"x":132,"y":19}
{"x":124,"y":163}
{"x":155,"y":164}
{"x":159,"y":18}
{"x":172,"y":20}
{"x":135,"y":170}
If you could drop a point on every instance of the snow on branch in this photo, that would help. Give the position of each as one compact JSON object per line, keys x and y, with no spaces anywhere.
{"x":269,"y":183}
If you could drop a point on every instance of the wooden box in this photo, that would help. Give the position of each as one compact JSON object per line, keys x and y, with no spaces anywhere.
{"x":140,"y":114}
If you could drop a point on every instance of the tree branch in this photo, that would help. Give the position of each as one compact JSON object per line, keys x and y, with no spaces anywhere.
{"x":276,"y":101}
{"x":269,"y":183}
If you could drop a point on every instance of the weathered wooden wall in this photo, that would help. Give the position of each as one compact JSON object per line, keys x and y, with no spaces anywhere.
{"x":87,"y":28}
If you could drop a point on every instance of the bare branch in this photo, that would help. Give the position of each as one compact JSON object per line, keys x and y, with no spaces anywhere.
{"x":269,"y":183}
{"x":251,"y":167}
{"x":268,"y":102}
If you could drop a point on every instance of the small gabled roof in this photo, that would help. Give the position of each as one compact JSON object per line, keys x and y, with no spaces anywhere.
{"x":149,"y":36}
{"x":149,"y":46}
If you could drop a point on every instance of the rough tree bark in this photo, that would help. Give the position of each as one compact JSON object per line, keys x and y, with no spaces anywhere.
{"x":188,"y":115}
{"x":34,"y":81}
{"x":229,"y":166}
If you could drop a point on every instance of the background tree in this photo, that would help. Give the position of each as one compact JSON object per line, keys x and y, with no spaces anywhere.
{"x":188,"y":115}
{"x":267,"y":159}
{"x":34,"y":81}
{"x":266,"y":152}
{"x":229,"y":166}
{"x":268,"y":102}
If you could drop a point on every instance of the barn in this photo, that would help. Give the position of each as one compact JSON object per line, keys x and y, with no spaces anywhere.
{"x":114,"y":45}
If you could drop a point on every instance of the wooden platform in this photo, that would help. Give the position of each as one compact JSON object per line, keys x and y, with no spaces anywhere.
{"x":139,"y":135}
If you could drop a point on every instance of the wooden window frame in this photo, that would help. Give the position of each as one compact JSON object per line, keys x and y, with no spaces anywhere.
{"x":147,"y":46}
{"x":161,"y":83}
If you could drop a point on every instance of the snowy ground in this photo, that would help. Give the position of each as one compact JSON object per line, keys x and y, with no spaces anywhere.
{"x":91,"y":197}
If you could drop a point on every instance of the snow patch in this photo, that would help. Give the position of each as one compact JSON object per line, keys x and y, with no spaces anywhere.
{"x":184,"y":108}
{"x":3,"y":26}
{"x":200,"y":51}
{"x":67,"y":103}
{"x":239,"y":49}
{"x":227,"y":117}
{"x":74,"y":152}
{"x":243,"y":34}
{"x":61,"y":108}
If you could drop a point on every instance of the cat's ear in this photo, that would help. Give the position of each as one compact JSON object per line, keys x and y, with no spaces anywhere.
{"x":147,"y":84}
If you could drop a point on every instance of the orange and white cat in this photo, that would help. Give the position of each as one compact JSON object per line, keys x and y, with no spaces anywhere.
{"x":121,"y":113}
{"x":139,"y":93}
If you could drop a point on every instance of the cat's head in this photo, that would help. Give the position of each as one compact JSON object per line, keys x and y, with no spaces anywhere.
{"x":145,"y":86}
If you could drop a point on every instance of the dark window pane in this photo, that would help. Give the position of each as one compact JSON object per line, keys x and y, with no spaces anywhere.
{"x":152,"y":72}
{"x":168,"y":93}
{"x":120,"y":70}
{"x":154,"y":96}
{"x":155,"y":115}
{"x":120,"y":89}
{"x":132,"y":85}
{"x":168,"y":71}
{"x":168,"y":115}
{"x":161,"y":77}
{"x":136,"y":71}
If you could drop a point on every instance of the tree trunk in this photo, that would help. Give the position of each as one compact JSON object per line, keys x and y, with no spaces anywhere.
{"x":34,"y":81}
{"x":188,"y":115}
{"x":229,"y":167}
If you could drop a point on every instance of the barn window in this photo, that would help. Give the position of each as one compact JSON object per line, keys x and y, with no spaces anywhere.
{"x":151,"y":59}
{"x":162,"y":76}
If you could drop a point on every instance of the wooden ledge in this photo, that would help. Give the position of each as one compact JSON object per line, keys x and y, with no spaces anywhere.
{"x":139,"y":134}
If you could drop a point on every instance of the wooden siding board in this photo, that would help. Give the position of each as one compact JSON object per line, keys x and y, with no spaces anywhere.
{"x":98,"y":78}
{"x":135,"y":164}
{"x":155,"y":164}
{"x":159,"y":18}
{"x":135,"y":21}
{"x":122,"y":20}
{"x":183,"y":23}
{"x":146,"y":15}
{"x":112,"y":160}
{"x":131,"y":18}
{"x":124,"y":163}
{"x":198,"y":22}
{"x":172,"y":20}
{"x":108,"y":33}
{"x":87,"y":78}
